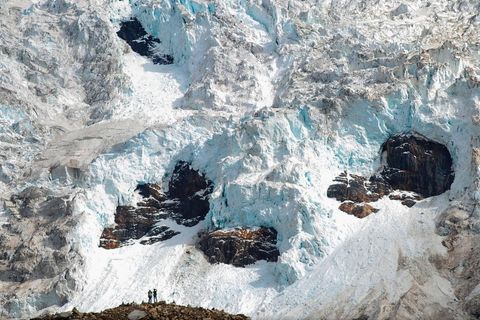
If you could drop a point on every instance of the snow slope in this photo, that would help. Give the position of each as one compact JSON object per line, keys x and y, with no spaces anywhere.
{"x":271,"y":100}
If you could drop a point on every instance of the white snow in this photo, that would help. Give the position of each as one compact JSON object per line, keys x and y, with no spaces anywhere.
{"x":345,"y":278}
{"x":156,"y":92}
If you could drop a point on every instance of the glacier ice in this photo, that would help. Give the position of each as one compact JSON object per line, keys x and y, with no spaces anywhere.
{"x":271,"y":100}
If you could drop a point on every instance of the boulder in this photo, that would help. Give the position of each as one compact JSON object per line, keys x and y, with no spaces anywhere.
{"x":408,"y":199}
{"x":358,"y":210}
{"x":136,"y":315}
{"x":409,"y":202}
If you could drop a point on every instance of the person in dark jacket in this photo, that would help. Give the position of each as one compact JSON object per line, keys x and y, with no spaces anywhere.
{"x":149,"y":296}
{"x":154,"y":295}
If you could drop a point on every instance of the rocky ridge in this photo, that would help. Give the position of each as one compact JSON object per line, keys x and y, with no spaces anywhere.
{"x":155,"y":311}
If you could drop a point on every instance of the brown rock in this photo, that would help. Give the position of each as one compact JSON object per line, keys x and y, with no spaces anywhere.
{"x":358,"y":210}
{"x":108,"y":239}
{"x":240,"y":247}
{"x":408,"y":199}
{"x":413,"y":163}
{"x":186,"y":202}
{"x":357,"y":188}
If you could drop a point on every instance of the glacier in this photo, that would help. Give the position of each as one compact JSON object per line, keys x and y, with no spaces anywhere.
{"x":271,"y":100}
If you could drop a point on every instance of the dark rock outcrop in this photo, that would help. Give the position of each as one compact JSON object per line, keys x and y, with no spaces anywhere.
{"x":186,"y":202}
{"x":240,"y":247}
{"x":151,"y":191}
{"x":133,"y":224}
{"x":141,"y":42}
{"x":188,"y":192}
{"x":412,"y":163}
{"x":357,"y":188}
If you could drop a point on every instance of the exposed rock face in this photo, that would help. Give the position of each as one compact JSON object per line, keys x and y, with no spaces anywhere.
{"x":141,"y":42}
{"x":133,"y":224}
{"x":37,"y":254}
{"x":417,"y":164}
{"x":461,"y":229}
{"x":355,"y":191}
{"x":412,"y":163}
{"x":186,"y":202}
{"x":240,"y":247}
{"x":188,"y":193}
{"x":357,"y":188}
{"x":151,"y":191}
{"x":49,"y":220}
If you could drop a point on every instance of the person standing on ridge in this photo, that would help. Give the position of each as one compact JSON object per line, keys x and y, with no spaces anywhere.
{"x":149,"y":296}
{"x":155,"y":295}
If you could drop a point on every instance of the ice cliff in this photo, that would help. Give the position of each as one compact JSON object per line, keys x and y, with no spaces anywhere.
{"x":270,"y":100}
